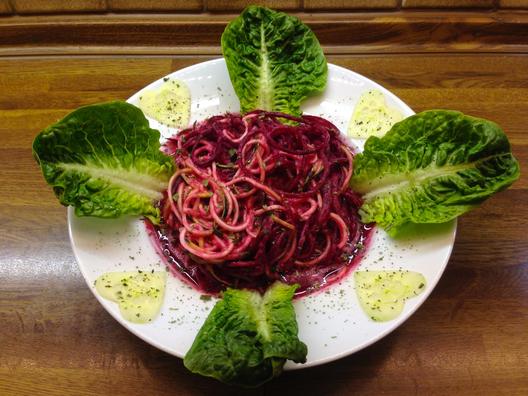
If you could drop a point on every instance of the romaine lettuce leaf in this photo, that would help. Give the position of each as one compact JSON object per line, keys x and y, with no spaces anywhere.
{"x":431,"y":168}
{"x":104,"y":160}
{"x":247,"y":337}
{"x":274,"y":60}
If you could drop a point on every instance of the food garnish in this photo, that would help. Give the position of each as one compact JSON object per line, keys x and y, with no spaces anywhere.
{"x":274,"y":60}
{"x":105,"y":161}
{"x":169,"y":104}
{"x":138,"y":293}
{"x":382,"y":294}
{"x":372,"y":116}
{"x":431,"y":168}
{"x":247,"y":337}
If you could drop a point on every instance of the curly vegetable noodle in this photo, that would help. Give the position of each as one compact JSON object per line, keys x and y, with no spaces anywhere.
{"x":259,"y":198}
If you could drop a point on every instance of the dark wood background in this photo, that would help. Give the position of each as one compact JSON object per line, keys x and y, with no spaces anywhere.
{"x":470,"y":337}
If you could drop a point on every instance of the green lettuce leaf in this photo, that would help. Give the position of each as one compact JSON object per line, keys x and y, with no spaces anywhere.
{"x":247,"y":337}
{"x":431,"y":168}
{"x":274,"y":60}
{"x":104,"y":160}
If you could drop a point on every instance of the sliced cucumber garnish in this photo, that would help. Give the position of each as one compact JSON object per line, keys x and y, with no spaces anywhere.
{"x":170,"y":104}
{"x":382,"y":294}
{"x":138,"y":293}
{"x":372,"y":116}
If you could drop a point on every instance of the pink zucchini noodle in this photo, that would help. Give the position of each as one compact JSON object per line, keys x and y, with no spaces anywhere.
{"x":259,"y":198}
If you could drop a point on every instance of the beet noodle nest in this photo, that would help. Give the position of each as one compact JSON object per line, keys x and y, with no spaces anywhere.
{"x":259,"y":198}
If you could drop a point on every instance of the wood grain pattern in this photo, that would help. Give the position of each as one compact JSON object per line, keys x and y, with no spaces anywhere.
{"x":5,"y":7}
{"x":468,"y":338}
{"x":349,"y":4}
{"x":348,"y":33}
{"x":40,"y":7}
{"x":57,"y":6}
{"x":521,"y":4}
{"x":239,"y":5}
{"x":448,"y":3}
{"x":155,"y":5}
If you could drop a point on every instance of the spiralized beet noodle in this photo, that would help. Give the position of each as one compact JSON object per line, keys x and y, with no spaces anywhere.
{"x":259,"y":198}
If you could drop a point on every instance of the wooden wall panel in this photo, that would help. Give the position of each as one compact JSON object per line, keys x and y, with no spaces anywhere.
{"x":57,"y":6}
{"x":513,"y":4}
{"x":238,"y":5}
{"x":389,"y":32}
{"x":155,"y":5}
{"x":154,"y":27}
{"x":448,"y":3}
{"x":24,"y":7}
{"x":349,"y":4}
{"x":5,"y":7}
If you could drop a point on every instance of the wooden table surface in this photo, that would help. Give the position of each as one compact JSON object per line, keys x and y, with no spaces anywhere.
{"x":470,"y":337}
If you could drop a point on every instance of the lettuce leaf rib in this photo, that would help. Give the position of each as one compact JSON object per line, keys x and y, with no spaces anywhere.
{"x":131,"y":180}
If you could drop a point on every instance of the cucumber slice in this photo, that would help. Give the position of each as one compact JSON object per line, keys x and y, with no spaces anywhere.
{"x":170,"y":104}
{"x":382,"y":294}
{"x":138,"y":293}
{"x":372,"y":116}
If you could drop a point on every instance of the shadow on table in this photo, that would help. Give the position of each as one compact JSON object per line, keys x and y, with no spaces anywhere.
{"x":348,"y":375}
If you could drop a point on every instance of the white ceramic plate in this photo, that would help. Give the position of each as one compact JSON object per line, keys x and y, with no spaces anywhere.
{"x":331,"y":322}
